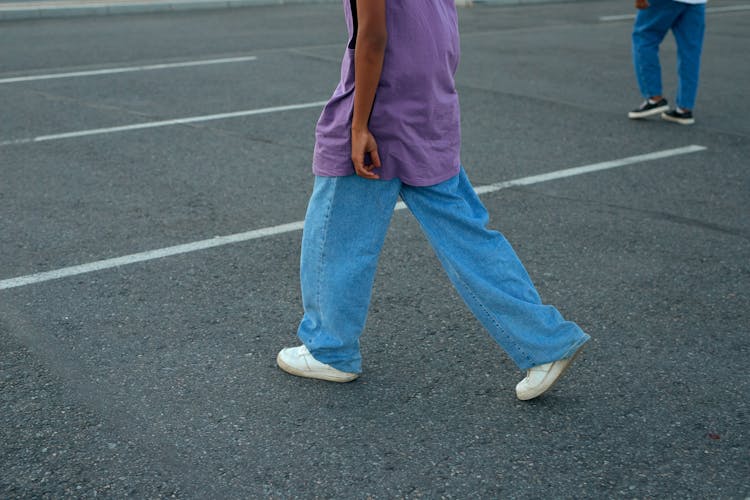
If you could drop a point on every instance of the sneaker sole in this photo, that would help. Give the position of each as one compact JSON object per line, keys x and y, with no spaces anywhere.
{"x":635,"y":115}
{"x":329,"y":377}
{"x":536,"y":394}
{"x":681,"y":121}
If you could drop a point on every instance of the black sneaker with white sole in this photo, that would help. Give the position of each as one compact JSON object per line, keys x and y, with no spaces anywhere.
{"x":683,"y":117}
{"x":649,"y":108}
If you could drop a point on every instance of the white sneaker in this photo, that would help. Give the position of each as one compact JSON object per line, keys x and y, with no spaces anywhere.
{"x":298,"y":361}
{"x":540,"y":378}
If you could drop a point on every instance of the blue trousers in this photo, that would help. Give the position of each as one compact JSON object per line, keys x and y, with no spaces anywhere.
{"x":688,"y":23}
{"x":345,"y":226}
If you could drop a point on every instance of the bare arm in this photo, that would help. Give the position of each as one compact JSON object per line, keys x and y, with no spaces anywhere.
{"x":369,"y":51}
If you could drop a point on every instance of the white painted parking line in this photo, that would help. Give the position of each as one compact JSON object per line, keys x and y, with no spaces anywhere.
{"x":163,"y":123}
{"x":709,"y":10}
{"x":127,"y":69}
{"x":570,"y":172}
{"x":620,"y":17}
{"x":296,"y":226}
{"x":727,"y":8}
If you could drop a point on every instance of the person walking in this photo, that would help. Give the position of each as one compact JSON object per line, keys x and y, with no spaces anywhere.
{"x":391,"y":129}
{"x":687,"y":20}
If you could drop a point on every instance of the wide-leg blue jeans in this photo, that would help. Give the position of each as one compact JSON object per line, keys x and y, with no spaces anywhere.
{"x":345,"y":226}
{"x":688,"y":24}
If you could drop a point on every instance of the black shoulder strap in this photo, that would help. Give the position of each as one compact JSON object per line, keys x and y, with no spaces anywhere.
{"x":353,"y":41}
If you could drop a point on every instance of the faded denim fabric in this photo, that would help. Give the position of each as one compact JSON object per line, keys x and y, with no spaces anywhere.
{"x":688,"y":23}
{"x":345,"y":226}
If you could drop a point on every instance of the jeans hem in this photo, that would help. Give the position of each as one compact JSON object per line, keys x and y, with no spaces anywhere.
{"x":575,"y":347}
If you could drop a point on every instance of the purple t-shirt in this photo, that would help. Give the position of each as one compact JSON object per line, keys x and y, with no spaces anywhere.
{"x":415,"y":117}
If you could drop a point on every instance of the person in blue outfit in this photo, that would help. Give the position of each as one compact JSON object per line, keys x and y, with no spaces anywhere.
{"x":390,"y":130}
{"x":687,"y":20}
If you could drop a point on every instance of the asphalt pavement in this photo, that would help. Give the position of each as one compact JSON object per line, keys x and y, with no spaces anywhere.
{"x":154,"y":169}
{"x":45,"y":9}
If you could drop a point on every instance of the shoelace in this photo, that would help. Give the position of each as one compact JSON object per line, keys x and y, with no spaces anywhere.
{"x":306,"y":356}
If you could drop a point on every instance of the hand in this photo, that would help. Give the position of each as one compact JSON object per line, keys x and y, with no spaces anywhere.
{"x":363,"y":142}
{"x":641,"y":4}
